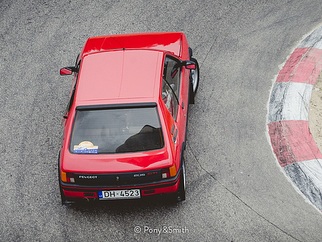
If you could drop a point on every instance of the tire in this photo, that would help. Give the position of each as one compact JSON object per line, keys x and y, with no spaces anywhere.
{"x":64,"y":201}
{"x":63,"y":198}
{"x":181,"y":194}
{"x":194,"y":82}
{"x":190,"y":52}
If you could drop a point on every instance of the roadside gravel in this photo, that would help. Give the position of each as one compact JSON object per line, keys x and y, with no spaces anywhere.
{"x":315,"y":113}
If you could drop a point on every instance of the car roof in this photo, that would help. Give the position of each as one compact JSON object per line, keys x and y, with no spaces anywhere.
{"x":120,"y":76}
{"x":162,"y":41}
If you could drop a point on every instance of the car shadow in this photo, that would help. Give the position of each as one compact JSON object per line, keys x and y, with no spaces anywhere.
{"x":125,"y":206}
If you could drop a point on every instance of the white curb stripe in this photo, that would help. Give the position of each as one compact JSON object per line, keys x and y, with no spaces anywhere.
{"x":314,"y":40}
{"x":313,"y":169}
{"x":289,"y":101}
{"x":288,"y":107}
{"x":306,"y":180}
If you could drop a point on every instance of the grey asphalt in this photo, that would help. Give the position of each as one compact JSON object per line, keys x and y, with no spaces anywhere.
{"x":236,"y":191}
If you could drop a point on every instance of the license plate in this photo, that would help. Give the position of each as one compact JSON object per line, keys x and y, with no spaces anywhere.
{"x":119,"y":194}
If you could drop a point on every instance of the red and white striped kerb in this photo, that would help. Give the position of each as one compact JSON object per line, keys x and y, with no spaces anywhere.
{"x":288,"y":124}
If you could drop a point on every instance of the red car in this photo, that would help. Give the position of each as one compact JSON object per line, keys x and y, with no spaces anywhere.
{"x":125,"y":124}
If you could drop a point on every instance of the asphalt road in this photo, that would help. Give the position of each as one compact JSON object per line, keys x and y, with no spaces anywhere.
{"x":236,"y":191}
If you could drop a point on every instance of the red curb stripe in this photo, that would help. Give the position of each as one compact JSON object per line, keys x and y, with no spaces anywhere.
{"x":304,"y":65}
{"x":292,"y":142}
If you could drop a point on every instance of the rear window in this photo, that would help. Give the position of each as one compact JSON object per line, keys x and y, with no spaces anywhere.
{"x":116,"y":130}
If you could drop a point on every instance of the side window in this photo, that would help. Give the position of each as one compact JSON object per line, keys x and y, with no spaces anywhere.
{"x":72,"y":93}
{"x":171,"y":84}
{"x":169,"y":98}
{"x":172,"y":70}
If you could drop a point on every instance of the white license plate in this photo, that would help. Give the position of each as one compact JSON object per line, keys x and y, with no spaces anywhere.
{"x":119,"y":194}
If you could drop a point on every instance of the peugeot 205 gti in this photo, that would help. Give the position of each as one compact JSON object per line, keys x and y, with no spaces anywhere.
{"x":125,"y":123}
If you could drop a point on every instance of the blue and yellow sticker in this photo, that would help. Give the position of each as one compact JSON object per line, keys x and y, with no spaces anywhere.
{"x":85,"y":147}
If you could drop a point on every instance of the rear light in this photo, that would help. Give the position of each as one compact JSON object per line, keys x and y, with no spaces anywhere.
{"x":63,"y":176}
{"x":173,"y":171}
{"x":165,"y":173}
{"x":169,"y":172}
{"x":67,"y":177}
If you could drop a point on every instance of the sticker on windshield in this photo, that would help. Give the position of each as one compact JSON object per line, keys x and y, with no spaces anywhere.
{"x":86,"y":147}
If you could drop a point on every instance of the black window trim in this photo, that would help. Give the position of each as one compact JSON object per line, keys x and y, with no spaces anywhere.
{"x":116,"y":106}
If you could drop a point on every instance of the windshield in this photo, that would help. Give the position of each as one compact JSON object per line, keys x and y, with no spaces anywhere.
{"x":116,"y":130}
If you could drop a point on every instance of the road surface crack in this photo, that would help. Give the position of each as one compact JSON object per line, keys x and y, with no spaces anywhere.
{"x":239,"y":198}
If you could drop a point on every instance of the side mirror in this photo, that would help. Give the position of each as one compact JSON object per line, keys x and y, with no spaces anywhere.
{"x":67,"y":70}
{"x":190,"y":65}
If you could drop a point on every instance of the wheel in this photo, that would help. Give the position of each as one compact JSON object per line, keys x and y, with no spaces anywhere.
{"x":64,"y":201}
{"x":181,"y":194}
{"x":63,"y":198}
{"x":190,"y":52}
{"x":194,"y":82}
